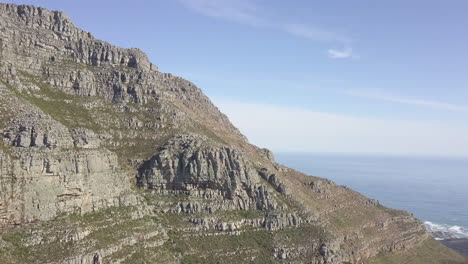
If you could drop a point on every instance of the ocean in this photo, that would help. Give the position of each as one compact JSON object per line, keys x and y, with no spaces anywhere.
{"x":435,"y":190}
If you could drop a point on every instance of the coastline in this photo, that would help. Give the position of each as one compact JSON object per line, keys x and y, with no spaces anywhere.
{"x":407,"y":183}
{"x":453,"y":237}
{"x":444,"y":231}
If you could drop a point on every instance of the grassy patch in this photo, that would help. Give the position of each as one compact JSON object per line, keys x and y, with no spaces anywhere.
{"x":429,"y":252}
{"x":153,"y":199}
{"x":241,"y":214}
{"x":391,"y":212}
{"x":52,"y":241}
{"x":304,"y":235}
{"x":5,"y":102}
{"x":342,"y":222}
{"x":69,"y":64}
{"x":63,"y":107}
{"x":4,"y":148}
{"x":114,"y":232}
{"x":100,"y":217}
{"x":148,"y":255}
{"x":222,"y":248}
{"x":16,"y":238}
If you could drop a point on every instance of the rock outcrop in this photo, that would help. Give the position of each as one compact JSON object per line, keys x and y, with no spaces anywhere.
{"x":57,"y":38}
{"x":196,"y":164}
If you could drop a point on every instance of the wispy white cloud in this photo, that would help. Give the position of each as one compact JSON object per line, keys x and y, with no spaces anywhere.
{"x":233,"y":10}
{"x":342,"y":54}
{"x":283,"y":128}
{"x":246,"y":12}
{"x":313,"y":33}
{"x":410,"y":101}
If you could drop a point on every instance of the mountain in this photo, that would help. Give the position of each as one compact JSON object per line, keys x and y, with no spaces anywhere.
{"x":105,"y":159}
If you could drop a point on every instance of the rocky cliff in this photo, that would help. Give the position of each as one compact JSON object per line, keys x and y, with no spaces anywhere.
{"x":105,"y":159}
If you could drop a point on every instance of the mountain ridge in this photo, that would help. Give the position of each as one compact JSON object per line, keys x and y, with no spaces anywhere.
{"x":104,"y":159}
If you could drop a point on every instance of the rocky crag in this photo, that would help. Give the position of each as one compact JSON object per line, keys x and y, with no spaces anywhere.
{"x":105,"y":159}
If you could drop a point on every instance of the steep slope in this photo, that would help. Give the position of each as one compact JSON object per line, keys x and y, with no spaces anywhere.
{"x":104,"y":159}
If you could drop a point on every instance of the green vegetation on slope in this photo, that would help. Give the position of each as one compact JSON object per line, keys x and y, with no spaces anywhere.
{"x":69,"y":234}
{"x":63,"y":107}
{"x":429,"y":252}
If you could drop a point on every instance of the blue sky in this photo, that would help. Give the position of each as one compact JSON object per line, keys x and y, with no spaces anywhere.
{"x":365,"y":76}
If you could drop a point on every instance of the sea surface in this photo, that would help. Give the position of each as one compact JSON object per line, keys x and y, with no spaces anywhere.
{"x":434,"y":189}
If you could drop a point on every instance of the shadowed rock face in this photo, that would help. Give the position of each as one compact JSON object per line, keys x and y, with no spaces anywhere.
{"x":188,"y":162}
{"x":102,"y":153}
{"x":193,"y":163}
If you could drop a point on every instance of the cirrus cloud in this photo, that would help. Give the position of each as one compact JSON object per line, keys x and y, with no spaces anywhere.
{"x":379,"y":95}
{"x":247,"y":12}
{"x":341,"y":54}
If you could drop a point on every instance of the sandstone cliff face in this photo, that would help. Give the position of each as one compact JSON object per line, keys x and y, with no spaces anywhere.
{"x":42,"y":35}
{"x":49,"y":169}
{"x":194,"y":163}
{"x":104,"y":159}
{"x":38,"y":186}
